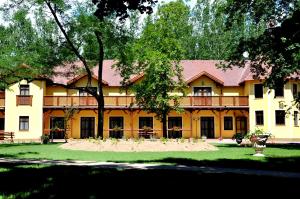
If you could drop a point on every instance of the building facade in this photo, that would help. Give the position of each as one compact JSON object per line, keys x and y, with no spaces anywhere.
{"x":217,"y":104}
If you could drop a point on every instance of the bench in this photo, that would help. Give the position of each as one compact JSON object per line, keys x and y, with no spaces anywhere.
{"x":7,"y":135}
{"x":144,"y":134}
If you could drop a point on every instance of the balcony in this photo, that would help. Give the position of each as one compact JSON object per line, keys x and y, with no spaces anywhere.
{"x":126,"y":101}
{"x":24,"y":100}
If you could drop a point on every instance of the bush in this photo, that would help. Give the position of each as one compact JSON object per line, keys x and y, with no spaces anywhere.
{"x":45,"y":139}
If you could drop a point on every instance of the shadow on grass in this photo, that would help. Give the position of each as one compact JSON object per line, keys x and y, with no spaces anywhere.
{"x":276,"y":164}
{"x":34,"y":181}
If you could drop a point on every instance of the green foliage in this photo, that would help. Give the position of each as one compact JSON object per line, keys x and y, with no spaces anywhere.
{"x":275,"y":51}
{"x":156,"y":55}
{"x":45,"y":139}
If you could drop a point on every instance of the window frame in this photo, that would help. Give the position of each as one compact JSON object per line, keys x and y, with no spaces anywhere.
{"x":144,"y":117}
{"x":262,"y":91}
{"x":277,"y":117}
{"x":24,"y":90}
{"x":296,"y":118}
{"x":281,"y":90}
{"x":295,"y":91}
{"x":256,"y":118}
{"x":22,"y":124}
{"x":228,"y":124}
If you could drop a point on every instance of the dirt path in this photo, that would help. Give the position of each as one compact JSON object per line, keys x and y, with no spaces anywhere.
{"x":138,"y":145}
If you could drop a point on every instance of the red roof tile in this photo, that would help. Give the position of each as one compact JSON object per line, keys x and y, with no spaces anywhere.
{"x":192,"y":70}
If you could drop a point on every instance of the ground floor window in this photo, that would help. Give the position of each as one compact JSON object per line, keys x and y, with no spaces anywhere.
{"x":87,"y":127}
{"x":1,"y":123}
{"x":57,"y":126}
{"x":296,"y":118}
{"x":280,"y":117}
{"x":116,"y":127}
{"x":175,"y":127}
{"x":228,"y":124}
{"x":24,"y":123}
{"x":145,"y":126}
{"x":259,"y":117}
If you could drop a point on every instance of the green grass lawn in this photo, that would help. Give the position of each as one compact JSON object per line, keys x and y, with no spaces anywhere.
{"x":278,"y":157}
{"x":19,"y":180}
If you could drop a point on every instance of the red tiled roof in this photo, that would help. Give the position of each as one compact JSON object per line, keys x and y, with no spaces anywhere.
{"x":192,"y":70}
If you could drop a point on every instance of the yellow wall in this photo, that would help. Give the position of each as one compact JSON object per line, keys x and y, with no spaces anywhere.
{"x":269,"y":104}
{"x":35,"y":112}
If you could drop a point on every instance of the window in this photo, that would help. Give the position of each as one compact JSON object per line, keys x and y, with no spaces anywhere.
{"x":259,"y":116}
{"x":24,"y":89}
{"x":295,"y":90}
{"x":116,"y":126}
{"x":202,"y":91}
{"x":24,"y":123}
{"x":279,"y":90}
{"x":280,"y":117}
{"x":258,"y":90}
{"x":174,"y":126}
{"x":115,"y":122}
{"x":296,"y":118}
{"x":228,"y":123}
{"x":57,"y":122}
{"x":145,"y":122}
{"x":84,"y":93}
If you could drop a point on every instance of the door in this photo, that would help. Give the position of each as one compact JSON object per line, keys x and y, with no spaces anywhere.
{"x":57,"y":123}
{"x":87,"y":127}
{"x":207,"y":127}
{"x":1,"y":124}
{"x":241,"y":125}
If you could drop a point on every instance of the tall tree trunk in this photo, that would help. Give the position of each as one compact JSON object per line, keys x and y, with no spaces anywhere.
{"x":100,"y":97}
{"x":164,"y":122}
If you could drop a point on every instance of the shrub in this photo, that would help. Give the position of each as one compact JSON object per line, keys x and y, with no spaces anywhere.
{"x":45,"y":139}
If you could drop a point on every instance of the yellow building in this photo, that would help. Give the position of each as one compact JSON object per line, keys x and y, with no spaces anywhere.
{"x":218,"y":104}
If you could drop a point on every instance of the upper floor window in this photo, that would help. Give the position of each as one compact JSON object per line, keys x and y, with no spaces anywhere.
{"x":82,"y":92}
{"x":228,"y":123}
{"x":24,"y":123}
{"x":295,"y":90}
{"x":280,"y":117}
{"x":259,"y":116}
{"x":258,"y":90}
{"x":279,"y":91}
{"x":202,"y":91}
{"x":24,"y":89}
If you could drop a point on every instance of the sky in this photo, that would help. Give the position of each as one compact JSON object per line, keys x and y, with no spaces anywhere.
{"x":191,"y":3}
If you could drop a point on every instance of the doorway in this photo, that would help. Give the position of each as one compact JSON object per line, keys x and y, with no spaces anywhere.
{"x":207,"y":127}
{"x":241,"y":125}
{"x":1,"y":124}
{"x":87,"y":127}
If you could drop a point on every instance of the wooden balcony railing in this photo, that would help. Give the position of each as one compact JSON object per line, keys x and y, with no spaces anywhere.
{"x":24,"y":100}
{"x":190,"y":101}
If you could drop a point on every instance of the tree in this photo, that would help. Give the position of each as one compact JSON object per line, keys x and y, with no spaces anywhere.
{"x":25,"y":50}
{"x":211,"y":39}
{"x":104,"y":8}
{"x":274,"y":53}
{"x":157,"y":55}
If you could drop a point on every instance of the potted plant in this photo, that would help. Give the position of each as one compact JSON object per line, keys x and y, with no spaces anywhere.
{"x":238,"y":137}
{"x":116,"y":132}
{"x":45,"y":139}
{"x":258,"y":139}
{"x":176,"y":132}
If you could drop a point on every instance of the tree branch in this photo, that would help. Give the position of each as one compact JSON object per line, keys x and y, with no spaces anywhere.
{"x":73,"y":48}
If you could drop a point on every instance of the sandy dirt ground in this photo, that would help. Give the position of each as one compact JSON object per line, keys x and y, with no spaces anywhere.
{"x":138,"y":145}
